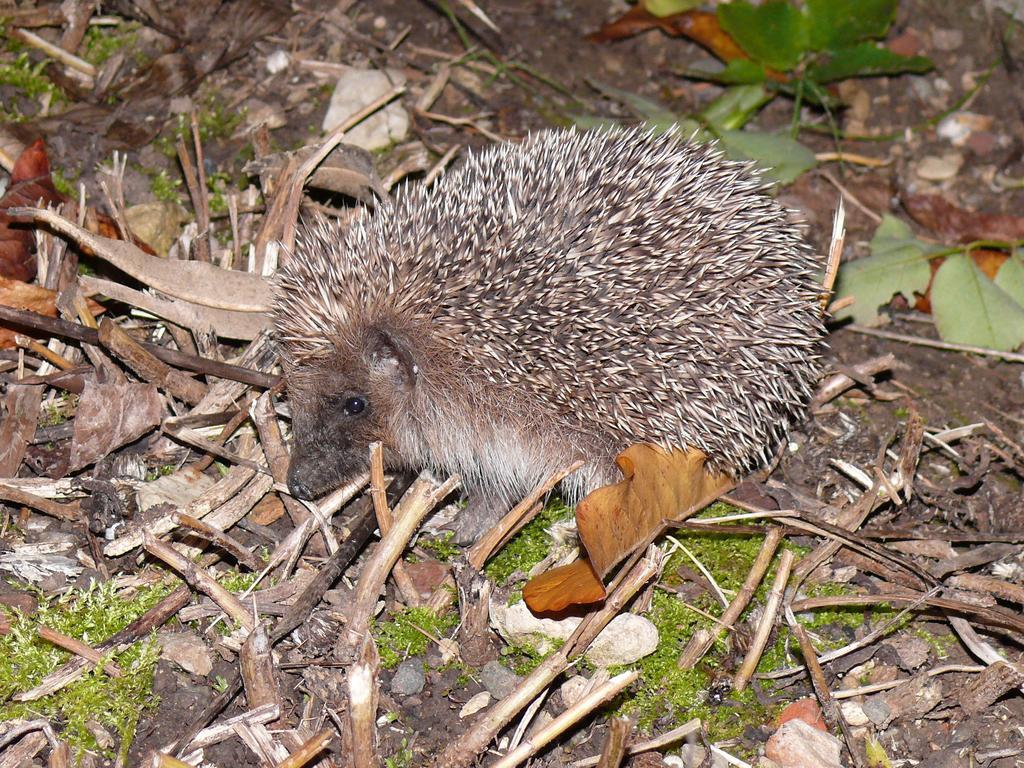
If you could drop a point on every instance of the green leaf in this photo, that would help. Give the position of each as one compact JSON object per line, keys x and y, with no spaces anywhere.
{"x":970,"y":309}
{"x":773,"y":33}
{"x":735,"y":106}
{"x":662,"y":8}
{"x":780,"y":157}
{"x":898,"y":264}
{"x":1010,"y":277}
{"x":866,"y":60}
{"x":736,"y":72}
{"x":836,"y":24}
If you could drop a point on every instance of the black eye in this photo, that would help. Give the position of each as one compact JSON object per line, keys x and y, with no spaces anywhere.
{"x":354,"y":405}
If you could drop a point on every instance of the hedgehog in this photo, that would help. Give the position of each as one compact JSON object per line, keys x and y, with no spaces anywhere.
{"x":548,"y":302}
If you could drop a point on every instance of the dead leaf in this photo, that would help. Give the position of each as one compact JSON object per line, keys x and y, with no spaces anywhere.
{"x":699,"y":26}
{"x":18,"y":425}
{"x":987,"y":260}
{"x":555,"y":590}
{"x":110,"y":415}
{"x":958,"y":225}
{"x":30,"y":184}
{"x":658,"y":487}
{"x":14,"y":293}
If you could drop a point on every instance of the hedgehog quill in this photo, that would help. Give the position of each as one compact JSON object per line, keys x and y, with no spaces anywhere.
{"x":546,"y":302}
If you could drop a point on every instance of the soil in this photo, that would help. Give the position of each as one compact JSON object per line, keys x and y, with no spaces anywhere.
{"x":545,"y":41}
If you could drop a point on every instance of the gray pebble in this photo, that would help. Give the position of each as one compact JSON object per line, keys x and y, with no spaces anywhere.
{"x":497,"y":680}
{"x":877,"y":711}
{"x":409,"y":678}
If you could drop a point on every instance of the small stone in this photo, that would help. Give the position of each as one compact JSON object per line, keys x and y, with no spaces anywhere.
{"x":933,"y":168}
{"x":799,"y":745}
{"x":573,"y":689}
{"x":358,"y":88}
{"x":806,"y":709}
{"x":853,"y":713}
{"x":628,"y":638}
{"x":499,"y":681}
{"x":278,"y":61}
{"x":947,"y":39}
{"x":409,"y":678}
{"x":877,"y":711}
{"x":474,"y":705}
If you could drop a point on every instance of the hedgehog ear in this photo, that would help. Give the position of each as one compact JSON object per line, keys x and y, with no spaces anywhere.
{"x":391,"y":357}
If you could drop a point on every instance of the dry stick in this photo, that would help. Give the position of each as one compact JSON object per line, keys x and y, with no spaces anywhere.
{"x":57,"y":327}
{"x":360,"y":720}
{"x":294,"y":192}
{"x":70,"y":512}
{"x":669,"y":737}
{"x":614,"y":750}
{"x":141,"y":627}
{"x":570,"y":717}
{"x":199,"y":579}
{"x":421,"y":497}
{"x":764,"y":628}
{"x":486,"y":726}
{"x":506,"y":527}
{"x":259,"y":677}
{"x":829,"y":708}
{"x":362,"y":528}
{"x":55,"y":52}
{"x":1012,"y":357}
{"x":378,"y":493}
{"x":188,"y":169}
{"x":78,"y":648}
{"x":835,"y":254}
{"x":218,"y":539}
{"x":46,"y":353}
{"x":310,"y":749}
{"x":835,"y":385}
{"x":701,"y":641}
{"x":203,"y":203}
{"x":146,"y":365}
{"x":263,"y":416}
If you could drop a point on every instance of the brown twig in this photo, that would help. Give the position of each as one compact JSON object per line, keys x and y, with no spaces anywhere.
{"x":199,"y":579}
{"x":78,"y":648}
{"x":378,"y":493}
{"x":501,"y":532}
{"x":764,"y":628}
{"x":702,"y":640}
{"x":56,"y":327}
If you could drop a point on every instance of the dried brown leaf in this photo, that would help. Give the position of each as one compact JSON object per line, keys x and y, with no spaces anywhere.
{"x":110,"y":415}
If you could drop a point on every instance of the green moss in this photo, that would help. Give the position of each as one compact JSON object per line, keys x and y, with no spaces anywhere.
{"x":236,"y":581}
{"x":216,"y":122}
{"x":440,"y":546}
{"x":402,"y":758}
{"x":665,"y":690}
{"x":399,"y":638}
{"x":58,"y":410}
{"x":28,"y":78}
{"x":165,"y":189}
{"x":65,"y":182}
{"x":941,"y":644}
{"x":90,"y":615}
{"x":102,"y":42}
{"x":161,"y":471}
{"x":529,"y":546}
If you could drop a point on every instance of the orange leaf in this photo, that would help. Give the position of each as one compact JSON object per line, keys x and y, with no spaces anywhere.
{"x":14,"y":293}
{"x":557,"y":589}
{"x":659,"y":486}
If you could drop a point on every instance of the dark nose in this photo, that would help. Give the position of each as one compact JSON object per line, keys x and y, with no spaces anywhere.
{"x":299,"y":482}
